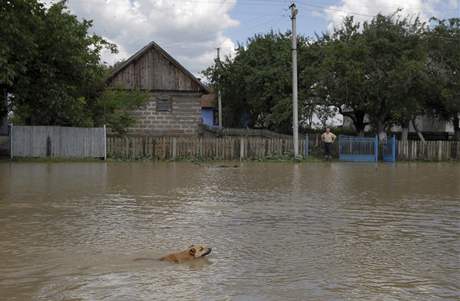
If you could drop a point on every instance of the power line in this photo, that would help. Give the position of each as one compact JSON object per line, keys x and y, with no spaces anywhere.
{"x":335,"y":9}
{"x":278,"y":18}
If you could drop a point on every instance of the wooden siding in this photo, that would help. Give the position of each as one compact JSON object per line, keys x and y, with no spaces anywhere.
{"x":154,"y":72}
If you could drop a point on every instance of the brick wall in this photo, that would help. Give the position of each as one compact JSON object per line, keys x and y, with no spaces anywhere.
{"x":183,"y":119}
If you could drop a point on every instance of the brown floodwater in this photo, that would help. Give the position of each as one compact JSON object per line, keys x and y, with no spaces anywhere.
{"x":318,"y":231}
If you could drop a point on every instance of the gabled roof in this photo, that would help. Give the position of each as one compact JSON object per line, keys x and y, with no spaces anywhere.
{"x":153,"y":45}
{"x":208,"y":100}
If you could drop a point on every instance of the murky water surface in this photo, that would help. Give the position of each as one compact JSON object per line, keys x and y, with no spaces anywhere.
{"x":72,"y":231}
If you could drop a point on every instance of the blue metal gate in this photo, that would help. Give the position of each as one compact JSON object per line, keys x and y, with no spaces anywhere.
{"x":358,"y":149}
{"x":389,"y":150}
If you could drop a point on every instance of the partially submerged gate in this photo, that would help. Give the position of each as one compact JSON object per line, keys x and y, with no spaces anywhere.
{"x":358,"y":149}
{"x":389,"y":150}
{"x":366,"y":149}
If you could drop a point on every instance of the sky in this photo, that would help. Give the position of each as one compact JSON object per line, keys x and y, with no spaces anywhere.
{"x":191,"y":30}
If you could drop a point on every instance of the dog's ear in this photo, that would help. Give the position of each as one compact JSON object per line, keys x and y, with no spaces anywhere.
{"x":192,"y":251}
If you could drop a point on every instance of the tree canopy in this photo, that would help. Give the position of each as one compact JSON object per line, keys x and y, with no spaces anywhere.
{"x":50,"y":65}
{"x":256,"y":84}
{"x":444,"y":70}
{"x":381,"y":72}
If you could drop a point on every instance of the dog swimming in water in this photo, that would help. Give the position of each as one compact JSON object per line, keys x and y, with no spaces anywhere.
{"x":193,"y":252}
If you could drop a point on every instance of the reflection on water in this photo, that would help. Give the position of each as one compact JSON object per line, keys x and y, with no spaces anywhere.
{"x":332,"y":231}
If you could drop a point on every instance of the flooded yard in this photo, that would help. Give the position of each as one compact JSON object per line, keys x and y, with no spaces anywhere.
{"x":318,"y":231}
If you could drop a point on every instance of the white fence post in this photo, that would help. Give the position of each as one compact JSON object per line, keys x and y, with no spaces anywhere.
{"x":174,"y":146}
{"x":105,"y":142}
{"x":307,"y":144}
{"x":11,"y":142}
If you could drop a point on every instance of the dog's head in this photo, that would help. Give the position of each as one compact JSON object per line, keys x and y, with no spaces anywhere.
{"x":198,"y":251}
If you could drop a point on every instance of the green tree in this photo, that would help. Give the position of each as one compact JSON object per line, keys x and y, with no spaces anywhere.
{"x":394,"y":68}
{"x":59,"y":83}
{"x":257,"y":82}
{"x":385,"y":72}
{"x":114,"y":108}
{"x":51,"y":70}
{"x":376,"y":70}
{"x":339,"y":75}
{"x":18,"y":21}
{"x":444,"y":70}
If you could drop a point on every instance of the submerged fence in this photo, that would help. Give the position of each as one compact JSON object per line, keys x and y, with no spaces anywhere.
{"x":236,"y":148}
{"x":428,"y":151}
{"x":55,"y":141}
{"x":67,"y":142}
{"x":225,"y":148}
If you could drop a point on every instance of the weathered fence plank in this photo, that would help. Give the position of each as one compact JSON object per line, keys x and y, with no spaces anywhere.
{"x":55,"y":141}
{"x":241,"y":148}
{"x":213,"y":148}
{"x":428,"y":151}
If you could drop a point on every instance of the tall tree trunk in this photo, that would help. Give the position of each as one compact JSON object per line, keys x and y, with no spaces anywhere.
{"x":359,"y":123}
{"x":3,"y":101}
{"x":3,"y":110}
{"x":456,"y":124}
{"x":405,"y":130}
{"x":382,"y":132}
{"x":420,"y":135}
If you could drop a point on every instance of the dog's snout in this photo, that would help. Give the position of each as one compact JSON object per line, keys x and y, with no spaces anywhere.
{"x":208,"y":251}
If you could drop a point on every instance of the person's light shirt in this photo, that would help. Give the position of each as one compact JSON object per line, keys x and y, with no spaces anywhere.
{"x":328,"y":137}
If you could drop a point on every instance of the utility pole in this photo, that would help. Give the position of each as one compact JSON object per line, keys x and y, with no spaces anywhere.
{"x":295,"y":113}
{"x":219,"y":98}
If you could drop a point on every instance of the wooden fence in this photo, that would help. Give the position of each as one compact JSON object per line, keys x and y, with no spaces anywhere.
{"x":239,"y":148}
{"x":55,"y":141}
{"x":225,"y":148}
{"x":69,"y":142}
{"x":428,"y":151}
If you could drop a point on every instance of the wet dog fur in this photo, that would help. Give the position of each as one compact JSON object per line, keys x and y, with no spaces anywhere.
{"x":193,"y":252}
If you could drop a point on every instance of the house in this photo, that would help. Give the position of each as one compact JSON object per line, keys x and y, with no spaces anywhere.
{"x":175,"y":104}
{"x":208,"y":110}
{"x":432,"y":127}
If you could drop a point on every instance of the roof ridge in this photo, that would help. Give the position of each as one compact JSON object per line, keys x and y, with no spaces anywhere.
{"x":172,"y":60}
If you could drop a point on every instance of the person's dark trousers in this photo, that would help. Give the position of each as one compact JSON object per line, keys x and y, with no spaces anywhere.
{"x":327,"y":149}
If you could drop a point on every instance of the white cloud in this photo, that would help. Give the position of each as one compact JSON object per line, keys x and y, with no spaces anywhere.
{"x":365,"y":9}
{"x":454,"y":4}
{"x":190,"y":30}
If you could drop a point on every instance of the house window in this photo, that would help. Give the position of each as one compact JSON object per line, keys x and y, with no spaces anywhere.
{"x":164,"y":104}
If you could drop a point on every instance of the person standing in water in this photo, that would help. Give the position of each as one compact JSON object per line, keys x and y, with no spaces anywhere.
{"x":328,"y":138}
